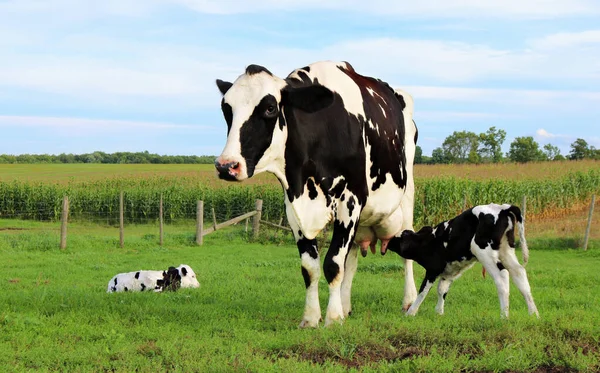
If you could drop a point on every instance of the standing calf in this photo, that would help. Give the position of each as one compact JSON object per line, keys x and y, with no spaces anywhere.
{"x":485,"y":233}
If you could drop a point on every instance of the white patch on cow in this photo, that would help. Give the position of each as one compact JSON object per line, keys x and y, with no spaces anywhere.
{"x":273,"y":159}
{"x":329,"y":75}
{"x":383,"y":111}
{"x":412,"y":311}
{"x":491,"y":209}
{"x":311,"y":215}
{"x":244,"y":95}
{"x":312,"y":308}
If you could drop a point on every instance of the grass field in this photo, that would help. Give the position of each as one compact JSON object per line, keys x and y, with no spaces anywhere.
{"x":56,"y":316}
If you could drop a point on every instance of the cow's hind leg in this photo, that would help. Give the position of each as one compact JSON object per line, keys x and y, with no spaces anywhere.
{"x":311,"y":271}
{"x":350,"y":270}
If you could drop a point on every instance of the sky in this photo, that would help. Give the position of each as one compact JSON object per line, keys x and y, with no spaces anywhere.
{"x":78,"y":76}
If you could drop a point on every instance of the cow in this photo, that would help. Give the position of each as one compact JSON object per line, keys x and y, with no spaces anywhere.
{"x":157,"y":281}
{"x":342,"y":146}
{"x":484,"y":233}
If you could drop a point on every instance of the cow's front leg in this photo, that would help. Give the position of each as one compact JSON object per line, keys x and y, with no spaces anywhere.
{"x":349,"y":271}
{"x":311,"y":271}
{"x":344,"y":230}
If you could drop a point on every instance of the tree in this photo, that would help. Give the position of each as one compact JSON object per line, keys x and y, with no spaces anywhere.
{"x":552,"y":152}
{"x":461,"y":147}
{"x":579,"y":150}
{"x":525,"y":149}
{"x":490,"y":147}
{"x":418,"y":155}
{"x":438,"y":156}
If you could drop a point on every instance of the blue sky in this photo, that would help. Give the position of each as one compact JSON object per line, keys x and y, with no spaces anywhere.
{"x":131,"y":75}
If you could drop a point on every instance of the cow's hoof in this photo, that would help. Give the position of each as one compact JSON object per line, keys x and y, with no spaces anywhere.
{"x":406,"y":307}
{"x":333,"y":321}
{"x":308,"y":324}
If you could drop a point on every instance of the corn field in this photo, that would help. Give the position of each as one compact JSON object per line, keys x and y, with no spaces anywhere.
{"x":436,"y":199}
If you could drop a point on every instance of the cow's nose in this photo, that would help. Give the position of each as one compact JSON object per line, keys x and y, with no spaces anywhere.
{"x":231,"y":168}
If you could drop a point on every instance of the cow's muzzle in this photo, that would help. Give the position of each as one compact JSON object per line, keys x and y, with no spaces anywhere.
{"x":228,"y":170}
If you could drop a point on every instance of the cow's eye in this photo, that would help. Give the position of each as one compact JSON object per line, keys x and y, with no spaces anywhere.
{"x":271,"y":109}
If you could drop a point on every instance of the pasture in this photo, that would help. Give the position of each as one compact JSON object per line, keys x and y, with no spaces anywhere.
{"x":56,"y":316}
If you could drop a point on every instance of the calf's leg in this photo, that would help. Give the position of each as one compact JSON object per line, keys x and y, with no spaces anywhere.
{"x":488,"y":258}
{"x":519,"y":276}
{"x":426,"y":285}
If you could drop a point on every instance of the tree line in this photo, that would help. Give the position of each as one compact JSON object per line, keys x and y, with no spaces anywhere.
{"x":469,"y":147}
{"x":109,"y":158}
{"x":459,"y":147}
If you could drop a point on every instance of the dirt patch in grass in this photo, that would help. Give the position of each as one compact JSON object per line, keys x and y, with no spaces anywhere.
{"x":352,"y":357}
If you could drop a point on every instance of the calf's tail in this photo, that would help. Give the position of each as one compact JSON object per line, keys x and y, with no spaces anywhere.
{"x":520,"y":220}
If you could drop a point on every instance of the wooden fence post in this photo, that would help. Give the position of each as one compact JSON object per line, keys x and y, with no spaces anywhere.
{"x":256,"y":218}
{"x":589,"y":223}
{"x":160,"y":217}
{"x":199,"y":222}
{"x":121,"y":220}
{"x":247,"y":224}
{"x":214,"y":219}
{"x":63,"y":223}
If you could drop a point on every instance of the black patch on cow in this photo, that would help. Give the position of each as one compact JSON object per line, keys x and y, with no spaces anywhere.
{"x":183,"y":271}
{"x":223,"y":86}
{"x":306,"y":277}
{"x":416,"y":132}
{"x":307,"y":246}
{"x":257,"y":132}
{"x":115,"y":281}
{"x":500,"y":266}
{"x":444,"y":295}
{"x":126,"y":288}
{"x":310,"y":98}
{"x":143,"y":287}
{"x":257,"y":69}
{"x":172,"y":279}
{"x":338,"y":189}
{"x":342,"y":198}
{"x":114,"y":288}
{"x":312,"y":190}
{"x":137,"y":276}
{"x":227,"y":114}
{"x":341,"y":237}
{"x":387,"y":151}
{"x":306,"y":68}
{"x":350,"y":205}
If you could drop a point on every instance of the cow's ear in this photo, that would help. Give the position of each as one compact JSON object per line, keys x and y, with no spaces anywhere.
{"x":223,"y":86}
{"x":309,"y":99}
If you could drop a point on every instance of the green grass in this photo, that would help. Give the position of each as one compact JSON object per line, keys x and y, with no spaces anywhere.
{"x":56,"y":316}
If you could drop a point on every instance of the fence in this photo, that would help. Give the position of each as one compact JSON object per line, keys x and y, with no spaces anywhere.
{"x":256,"y":215}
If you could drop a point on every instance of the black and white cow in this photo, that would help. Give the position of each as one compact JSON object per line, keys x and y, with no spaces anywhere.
{"x":171,"y":279}
{"x":342,"y":146}
{"x":484,"y":233}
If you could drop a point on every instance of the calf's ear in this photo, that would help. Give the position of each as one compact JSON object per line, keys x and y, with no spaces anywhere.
{"x":310,"y":99}
{"x":223,"y":86}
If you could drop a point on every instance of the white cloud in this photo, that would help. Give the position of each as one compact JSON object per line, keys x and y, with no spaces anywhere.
{"x":567,"y":39}
{"x":87,"y":127}
{"x":418,"y":9}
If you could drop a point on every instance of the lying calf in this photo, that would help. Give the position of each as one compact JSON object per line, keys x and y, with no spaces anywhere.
{"x":485,"y":233}
{"x":171,"y":279}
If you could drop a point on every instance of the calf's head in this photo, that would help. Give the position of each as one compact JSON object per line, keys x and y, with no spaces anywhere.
{"x":188,"y":276}
{"x":171,"y":279}
{"x":410,"y":245}
{"x":256,"y":127}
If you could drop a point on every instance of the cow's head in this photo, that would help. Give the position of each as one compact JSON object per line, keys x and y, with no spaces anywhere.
{"x":188,"y":277}
{"x":410,"y":245}
{"x":256,"y":127}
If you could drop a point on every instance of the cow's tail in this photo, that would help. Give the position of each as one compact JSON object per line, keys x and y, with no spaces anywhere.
{"x":520,"y":220}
